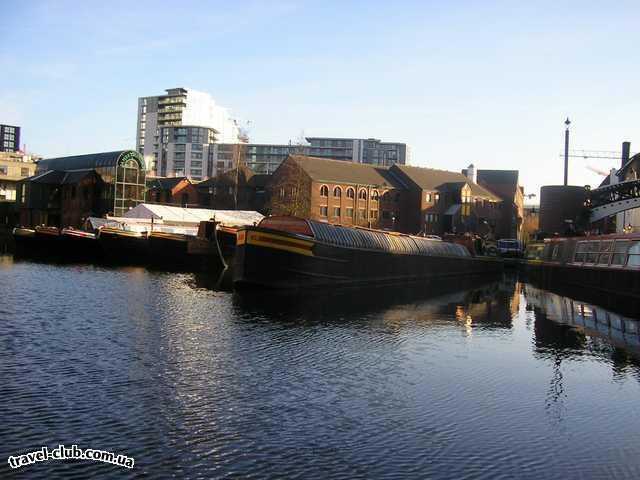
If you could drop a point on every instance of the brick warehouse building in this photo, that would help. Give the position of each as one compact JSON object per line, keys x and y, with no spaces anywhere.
{"x":338,"y":192}
{"x":402,"y":198}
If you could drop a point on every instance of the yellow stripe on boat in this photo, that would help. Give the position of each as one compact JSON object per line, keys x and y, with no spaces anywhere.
{"x":278,"y":242}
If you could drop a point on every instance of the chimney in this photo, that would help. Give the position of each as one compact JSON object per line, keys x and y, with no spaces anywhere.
{"x":626,"y":147}
{"x":471,"y":173}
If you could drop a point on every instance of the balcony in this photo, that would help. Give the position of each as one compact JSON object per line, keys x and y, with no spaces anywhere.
{"x":172,"y":101}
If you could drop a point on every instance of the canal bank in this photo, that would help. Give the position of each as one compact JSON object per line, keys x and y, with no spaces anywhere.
{"x":429,"y":382}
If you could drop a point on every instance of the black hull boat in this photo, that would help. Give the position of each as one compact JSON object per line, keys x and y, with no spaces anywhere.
{"x":292,"y":253}
{"x":187,"y":252}
{"x":79,"y":245}
{"x":25,"y":241}
{"x":123,"y":246}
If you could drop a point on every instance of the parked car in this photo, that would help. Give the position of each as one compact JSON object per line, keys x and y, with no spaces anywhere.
{"x":509,"y":247}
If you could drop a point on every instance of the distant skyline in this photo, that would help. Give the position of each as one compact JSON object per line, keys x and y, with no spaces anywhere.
{"x":461,"y":82}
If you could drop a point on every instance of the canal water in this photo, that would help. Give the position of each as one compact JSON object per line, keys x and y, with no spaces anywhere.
{"x":498,"y":379}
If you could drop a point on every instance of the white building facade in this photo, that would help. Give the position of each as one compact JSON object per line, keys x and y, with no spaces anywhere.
{"x":177,"y":131}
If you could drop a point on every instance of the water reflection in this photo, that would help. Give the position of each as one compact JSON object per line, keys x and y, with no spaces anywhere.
{"x":447,"y":379}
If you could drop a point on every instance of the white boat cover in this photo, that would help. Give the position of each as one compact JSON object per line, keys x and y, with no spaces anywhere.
{"x":169,"y":215}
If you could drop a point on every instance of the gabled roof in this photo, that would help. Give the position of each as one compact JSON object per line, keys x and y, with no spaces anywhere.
{"x":163,"y":183}
{"x":75,"y":176}
{"x":50,"y":177}
{"x":634,"y":158}
{"x":338,"y":171}
{"x":504,"y":183}
{"x":431,"y":179}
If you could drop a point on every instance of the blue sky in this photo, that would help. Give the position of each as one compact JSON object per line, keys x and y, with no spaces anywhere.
{"x":488,"y":83}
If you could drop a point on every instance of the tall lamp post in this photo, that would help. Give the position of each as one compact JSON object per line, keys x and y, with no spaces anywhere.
{"x":567,"y":122}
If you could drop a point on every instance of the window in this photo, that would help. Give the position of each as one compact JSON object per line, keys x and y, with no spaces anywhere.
{"x":324,"y":191}
{"x":337,"y":192}
{"x":634,"y":255}
{"x":281,"y":192}
{"x":428,"y":197}
{"x":620,"y":252}
{"x":323,"y":211}
{"x":436,"y":197}
{"x":3,"y":170}
{"x":373,"y":214}
{"x":375,"y":195}
{"x":179,"y":156}
{"x":196,"y":155}
{"x":196,"y":147}
{"x":362,"y":195}
{"x":350,"y":193}
{"x":605,"y":252}
{"x":349,"y":212}
{"x":592,"y":252}
{"x":180,"y":147}
{"x":362,"y":214}
{"x":336,"y":211}
{"x":386,"y":214}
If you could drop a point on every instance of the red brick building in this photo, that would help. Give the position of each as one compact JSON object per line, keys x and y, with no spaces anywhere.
{"x":402,"y":198}
{"x":171,"y":191}
{"x":338,"y":192}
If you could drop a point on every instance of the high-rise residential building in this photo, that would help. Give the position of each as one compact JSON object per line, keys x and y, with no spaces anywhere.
{"x":370,"y":151}
{"x":9,"y":138}
{"x":176,"y":133}
{"x":265,"y":158}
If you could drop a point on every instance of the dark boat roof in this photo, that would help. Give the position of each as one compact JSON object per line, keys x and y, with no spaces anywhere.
{"x":365,"y":238}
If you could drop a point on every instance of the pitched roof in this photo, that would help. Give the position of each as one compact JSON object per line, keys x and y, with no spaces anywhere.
{"x":628,"y":164}
{"x":50,"y":177}
{"x":504,"y":183}
{"x":163,"y":183}
{"x":75,"y":176}
{"x":339,"y":171}
{"x":433,"y":179}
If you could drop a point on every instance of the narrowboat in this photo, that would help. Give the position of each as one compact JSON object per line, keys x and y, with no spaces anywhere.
{"x":294,"y":253}
{"x":48,"y":238}
{"x":227,"y":238}
{"x":79,"y":245}
{"x":194,"y":252}
{"x":25,"y":240}
{"x":124,"y":246}
{"x":602,"y":263}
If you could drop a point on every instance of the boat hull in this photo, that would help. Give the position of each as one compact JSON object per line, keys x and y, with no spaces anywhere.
{"x":184,"y":252}
{"x":273,"y":259}
{"x":121,"y":246}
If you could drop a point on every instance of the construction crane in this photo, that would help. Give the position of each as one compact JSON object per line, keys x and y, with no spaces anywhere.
{"x":595,"y":154}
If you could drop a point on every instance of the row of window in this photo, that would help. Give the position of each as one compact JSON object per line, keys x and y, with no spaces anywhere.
{"x":362,"y":213}
{"x":606,"y":252}
{"x":362,"y":194}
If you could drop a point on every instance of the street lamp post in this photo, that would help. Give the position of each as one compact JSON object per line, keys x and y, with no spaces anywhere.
{"x":567,"y":122}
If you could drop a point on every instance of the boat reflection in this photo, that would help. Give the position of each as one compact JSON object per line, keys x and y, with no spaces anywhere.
{"x":595,"y":330}
{"x":478,"y":301}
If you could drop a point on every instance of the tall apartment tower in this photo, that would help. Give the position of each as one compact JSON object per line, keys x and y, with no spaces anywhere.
{"x":9,"y":138}
{"x":176,"y":133}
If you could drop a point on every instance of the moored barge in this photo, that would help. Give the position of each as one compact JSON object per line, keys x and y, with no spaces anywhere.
{"x":601,"y":263}
{"x":293,"y":253}
{"x":124,"y":246}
